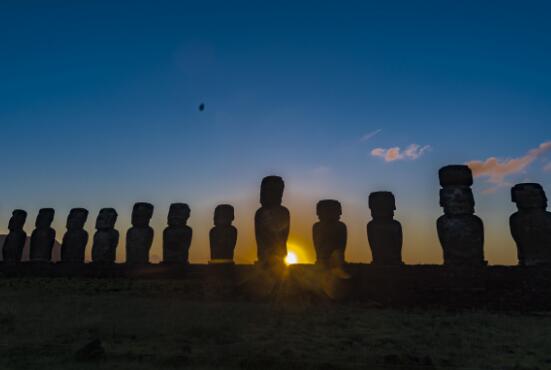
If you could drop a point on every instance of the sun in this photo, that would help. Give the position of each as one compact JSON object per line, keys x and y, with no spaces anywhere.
{"x":291,"y":258}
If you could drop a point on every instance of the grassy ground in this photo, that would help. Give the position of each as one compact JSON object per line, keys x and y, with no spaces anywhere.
{"x":155,"y":324}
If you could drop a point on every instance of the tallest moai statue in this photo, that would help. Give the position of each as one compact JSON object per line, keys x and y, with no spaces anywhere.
{"x":271,"y":222}
{"x":461,"y":233}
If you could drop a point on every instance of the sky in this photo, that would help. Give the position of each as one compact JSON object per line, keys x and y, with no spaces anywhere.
{"x":99,"y":108}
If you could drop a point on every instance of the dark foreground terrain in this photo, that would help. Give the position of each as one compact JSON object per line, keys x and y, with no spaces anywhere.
{"x":130,"y":323}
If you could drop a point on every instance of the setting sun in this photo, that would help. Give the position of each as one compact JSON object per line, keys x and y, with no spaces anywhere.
{"x":291,"y":258}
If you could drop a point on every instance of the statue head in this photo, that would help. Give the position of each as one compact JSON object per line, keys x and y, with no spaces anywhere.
{"x":271,"y":191}
{"x":382,"y":204}
{"x":455,"y":174}
{"x":178,"y":214}
{"x":223,"y":215}
{"x":141,"y":214}
{"x":457,"y":200}
{"x":329,"y":210}
{"x":529,"y":196}
{"x":17,"y":220}
{"x":77,"y":218}
{"x":44,"y":218}
{"x":106,"y":219}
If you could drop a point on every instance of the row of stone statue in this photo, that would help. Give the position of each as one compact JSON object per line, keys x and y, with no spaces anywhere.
{"x":461,"y":233}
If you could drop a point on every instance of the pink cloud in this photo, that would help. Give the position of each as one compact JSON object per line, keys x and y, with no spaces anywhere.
{"x":496,"y":170}
{"x":412,"y":152}
{"x":547,"y":167}
{"x":491,"y":190}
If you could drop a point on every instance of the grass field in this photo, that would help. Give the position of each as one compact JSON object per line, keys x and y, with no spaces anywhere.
{"x":158,"y":324}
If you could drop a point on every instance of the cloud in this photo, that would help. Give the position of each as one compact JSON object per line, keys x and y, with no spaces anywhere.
{"x":547,"y":167}
{"x":491,"y":190}
{"x":412,"y":152}
{"x":371,"y":135}
{"x":497,"y":169}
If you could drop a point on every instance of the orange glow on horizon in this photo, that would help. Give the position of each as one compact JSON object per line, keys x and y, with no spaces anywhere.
{"x":296,"y":253}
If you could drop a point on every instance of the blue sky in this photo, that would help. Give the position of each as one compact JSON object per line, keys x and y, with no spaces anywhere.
{"x":98,"y":107}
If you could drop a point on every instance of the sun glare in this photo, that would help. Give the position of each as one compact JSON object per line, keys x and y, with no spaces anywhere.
{"x":291,"y":258}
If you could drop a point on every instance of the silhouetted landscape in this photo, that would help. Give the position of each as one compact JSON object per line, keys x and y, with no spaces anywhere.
{"x":178,"y":314}
{"x":275,"y":185}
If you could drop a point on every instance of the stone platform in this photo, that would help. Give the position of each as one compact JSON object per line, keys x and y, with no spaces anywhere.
{"x":492,"y":287}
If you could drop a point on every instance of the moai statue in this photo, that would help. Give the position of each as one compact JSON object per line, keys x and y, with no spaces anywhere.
{"x":140,"y":236}
{"x":531,"y":225}
{"x":271,"y":223}
{"x":14,"y":242}
{"x":106,"y":238}
{"x":329,"y":234}
{"x":177,"y":236}
{"x":383,"y":231}
{"x":75,"y":239}
{"x":43,"y":236}
{"x":223,"y":236}
{"x":461,"y":233}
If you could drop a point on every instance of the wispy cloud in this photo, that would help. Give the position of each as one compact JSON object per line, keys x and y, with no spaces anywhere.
{"x":547,"y":167}
{"x":371,"y":135}
{"x":412,"y":152}
{"x":498,"y":169}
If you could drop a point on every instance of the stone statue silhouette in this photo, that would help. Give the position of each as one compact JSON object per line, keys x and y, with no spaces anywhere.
{"x":223,"y":236}
{"x":43,"y":236}
{"x":177,"y":236}
{"x":329,"y":234}
{"x":271,"y":222}
{"x":106,"y":238}
{"x":140,"y":236}
{"x":12,"y":250}
{"x":461,"y":233}
{"x":75,"y":239}
{"x":383,"y":232}
{"x":531,"y":224}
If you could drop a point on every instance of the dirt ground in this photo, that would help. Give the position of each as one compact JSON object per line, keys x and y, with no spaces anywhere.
{"x":154,"y":324}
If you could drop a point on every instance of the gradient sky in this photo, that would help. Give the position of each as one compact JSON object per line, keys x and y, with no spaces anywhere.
{"x":98,"y":108}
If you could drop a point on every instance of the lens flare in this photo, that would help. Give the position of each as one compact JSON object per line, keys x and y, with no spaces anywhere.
{"x":291,"y":258}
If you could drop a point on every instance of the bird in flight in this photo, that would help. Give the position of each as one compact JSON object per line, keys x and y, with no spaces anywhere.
{"x":201,"y":107}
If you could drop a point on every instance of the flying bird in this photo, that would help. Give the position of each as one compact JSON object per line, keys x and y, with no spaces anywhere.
{"x":201,"y":107}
